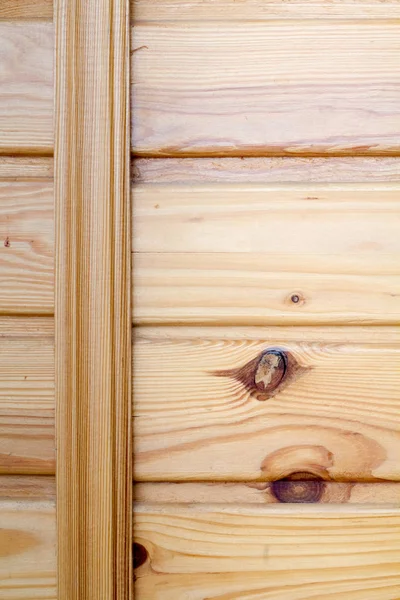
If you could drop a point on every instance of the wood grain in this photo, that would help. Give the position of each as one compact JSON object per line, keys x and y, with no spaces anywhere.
{"x":93,"y":320}
{"x":27,"y":396}
{"x":26,"y":247}
{"x":266,"y":88}
{"x":26,"y":167}
{"x":26,"y":87}
{"x":27,"y":549}
{"x":27,"y":487}
{"x":265,"y":493}
{"x":337,"y":418}
{"x":255,"y":10}
{"x":265,"y":170}
{"x":26,"y":9}
{"x":266,"y":552}
{"x":238,"y":254}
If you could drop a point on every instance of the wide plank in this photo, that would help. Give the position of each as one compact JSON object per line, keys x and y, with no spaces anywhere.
{"x":231,"y":10}
{"x":251,"y":88}
{"x":26,"y":247}
{"x":267,"y":552}
{"x":352,"y":169}
{"x":206,"y":409}
{"x":298,"y":490}
{"x":27,"y":443}
{"x":27,"y":549}
{"x":266,"y":254}
{"x":26,"y":87}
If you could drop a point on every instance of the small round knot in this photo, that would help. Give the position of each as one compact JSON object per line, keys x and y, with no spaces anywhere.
{"x":298,"y":492}
{"x":139,"y":555}
{"x":270,"y":370}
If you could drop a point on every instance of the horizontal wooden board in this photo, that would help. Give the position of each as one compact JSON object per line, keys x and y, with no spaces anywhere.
{"x":228,"y":10}
{"x":265,"y":170}
{"x":27,"y":550}
{"x":258,"y":254}
{"x":27,"y":167}
{"x":26,"y":87}
{"x":26,"y":247}
{"x":27,"y":396}
{"x":26,"y":9}
{"x":271,"y":88}
{"x":198,"y":416}
{"x":266,"y":552}
{"x":27,"y":487}
{"x":297,"y":491}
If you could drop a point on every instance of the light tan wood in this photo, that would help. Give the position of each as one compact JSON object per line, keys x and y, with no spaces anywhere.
{"x":243,"y":254}
{"x":26,"y":167}
{"x":26,"y":9}
{"x":26,"y":395}
{"x":266,"y":552}
{"x":265,"y":170}
{"x":336,"y":417}
{"x":251,"y":88}
{"x":253,"y":10}
{"x":27,"y":549}
{"x":26,"y":247}
{"x":266,"y":493}
{"x":93,"y":320}
{"x":26,"y":87}
{"x":27,"y":487}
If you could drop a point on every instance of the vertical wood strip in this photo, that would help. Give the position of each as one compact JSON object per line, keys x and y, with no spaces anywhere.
{"x":93,"y":299}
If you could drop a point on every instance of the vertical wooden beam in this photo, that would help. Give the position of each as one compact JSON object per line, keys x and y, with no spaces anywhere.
{"x":93,"y":341}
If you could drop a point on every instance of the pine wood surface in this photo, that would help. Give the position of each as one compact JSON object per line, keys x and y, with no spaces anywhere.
{"x":26,"y":246}
{"x":16,"y":168}
{"x":26,"y":9}
{"x":93,"y":320}
{"x":354,"y":169}
{"x":245,"y":254}
{"x":27,"y":487}
{"x":27,"y":442}
{"x":27,"y":549}
{"x":299,"y":490}
{"x":198,"y":416}
{"x":267,"y":552}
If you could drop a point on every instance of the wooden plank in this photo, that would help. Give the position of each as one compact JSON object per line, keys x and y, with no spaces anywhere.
{"x":296,"y":491}
{"x":26,"y":167}
{"x":28,"y":550}
{"x":26,"y":87}
{"x":265,"y":170}
{"x":27,"y":487}
{"x":258,"y":254}
{"x":200,"y":416}
{"x":26,"y":9}
{"x":266,"y":88}
{"x":210,"y":551}
{"x":26,"y":396}
{"x":26,"y":247}
{"x":93,"y":320}
{"x":255,"y":10}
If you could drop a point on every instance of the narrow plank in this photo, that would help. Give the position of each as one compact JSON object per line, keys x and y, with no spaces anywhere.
{"x":26,"y":247}
{"x":27,"y":396}
{"x":26,"y":167}
{"x":296,"y":491}
{"x":199,"y":415}
{"x":26,"y":9}
{"x":228,"y":10}
{"x":266,"y":254}
{"x":265,"y":170}
{"x":26,"y":87}
{"x":27,"y":487}
{"x":28,"y":550}
{"x":209,"y":551}
{"x":266,"y":88}
{"x":93,"y":320}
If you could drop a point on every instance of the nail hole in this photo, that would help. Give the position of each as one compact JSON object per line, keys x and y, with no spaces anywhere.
{"x":139,"y":555}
